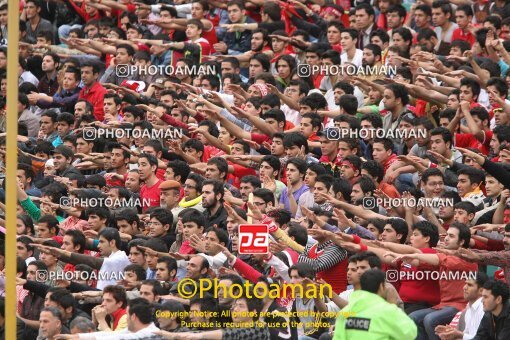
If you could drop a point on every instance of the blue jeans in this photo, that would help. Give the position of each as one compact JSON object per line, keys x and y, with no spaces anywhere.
{"x":404,"y":182}
{"x":428,"y":319}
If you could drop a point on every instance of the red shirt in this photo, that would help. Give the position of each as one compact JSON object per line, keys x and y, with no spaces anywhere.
{"x":419,"y":290}
{"x":468,"y":140}
{"x":205,"y":47}
{"x":150,"y":195}
{"x":119,"y":313}
{"x":381,"y":21}
{"x":450,"y":290}
{"x":389,"y":190}
{"x":211,"y":37}
{"x":210,"y":152}
{"x":259,"y":138}
{"x":458,"y":34}
{"x":80,"y":10}
{"x":392,"y":159}
{"x":336,"y":276}
{"x":95,"y":96}
{"x":317,"y":80}
{"x":186,"y":249}
{"x":239,"y":172}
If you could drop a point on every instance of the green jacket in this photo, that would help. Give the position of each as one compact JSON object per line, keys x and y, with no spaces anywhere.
{"x":369,"y":317}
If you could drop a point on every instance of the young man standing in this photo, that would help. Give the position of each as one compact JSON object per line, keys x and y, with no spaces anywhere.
{"x":149,"y":192}
{"x":441,"y":13}
{"x":289,"y":199}
{"x":464,"y":17}
{"x":93,"y":91}
{"x":196,"y":46}
{"x":350,"y":54}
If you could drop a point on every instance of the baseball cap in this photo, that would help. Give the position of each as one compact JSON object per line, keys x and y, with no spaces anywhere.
{"x":159,"y":82}
{"x":170,"y":184}
{"x":64,"y":151}
{"x":134,"y":85}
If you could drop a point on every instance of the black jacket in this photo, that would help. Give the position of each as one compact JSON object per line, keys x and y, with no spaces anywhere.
{"x":495,"y":327}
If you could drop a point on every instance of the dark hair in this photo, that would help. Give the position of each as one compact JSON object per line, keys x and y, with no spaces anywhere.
{"x":381,"y":34}
{"x":118,"y":293}
{"x":111,"y":234}
{"x":78,"y":238}
{"x":400,"y":227}
{"x":51,"y":221}
{"x":221,"y":164}
{"x":140,"y":272}
{"x":472,"y":84}
{"x":280,"y":216}
{"x":197,"y":179}
{"x":444,"y":132}
{"x":304,"y":270}
{"x":142,"y":309}
{"x":295,"y":139}
{"x":194,"y":216}
{"x":300,"y":164}
{"x":273,"y":162}
{"x":366,"y":184}
{"x":349,"y":103}
{"x":476,"y":176}
{"x":266,"y":195}
{"x":221,"y":234}
{"x":344,"y":86}
{"x":467,"y":206}
{"x":464,"y":233}
{"x":153,"y":161}
{"x":371,"y":258}
{"x":372,"y":279}
{"x":386,"y":142}
{"x":399,"y":91}
{"x":299,"y":233}
{"x":374,"y":119}
{"x":427,"y":229}
{"x":374,"y":169}
{"x":368,"y":9}
{"x":498,"y":288}
{"x":171,"y":263}
{"x":164,"y":216}
{"x":218,"y":188}
{"x":263,"y":59}
{"x":63,"y":298}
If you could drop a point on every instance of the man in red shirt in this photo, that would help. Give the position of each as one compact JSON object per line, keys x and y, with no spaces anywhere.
{"x":195,"y":47}
{"x":383,"y":152}
{"x":463,"y":17}
{"x":477,"y":132}
{"x":93,"y":91}
{"x":150,"y":192}
{"x":452,"y":274}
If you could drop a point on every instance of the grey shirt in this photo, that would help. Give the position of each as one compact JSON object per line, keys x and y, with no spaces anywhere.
{"x":32,"y":122}
{"x":43,"y":25}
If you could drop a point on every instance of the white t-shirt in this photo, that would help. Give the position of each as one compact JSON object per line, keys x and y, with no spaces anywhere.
{"x":357,"y":60}
{"x":291,"y":115}
{"x":112,"y":269}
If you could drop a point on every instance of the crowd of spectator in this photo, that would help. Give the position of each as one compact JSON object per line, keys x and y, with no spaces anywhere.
{"x":149,"y":131}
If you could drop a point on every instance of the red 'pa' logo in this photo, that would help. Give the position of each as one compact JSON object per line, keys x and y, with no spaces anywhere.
{"x":253,"y":239}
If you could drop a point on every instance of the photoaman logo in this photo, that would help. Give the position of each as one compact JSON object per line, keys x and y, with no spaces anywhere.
{"x":253,"y":239}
